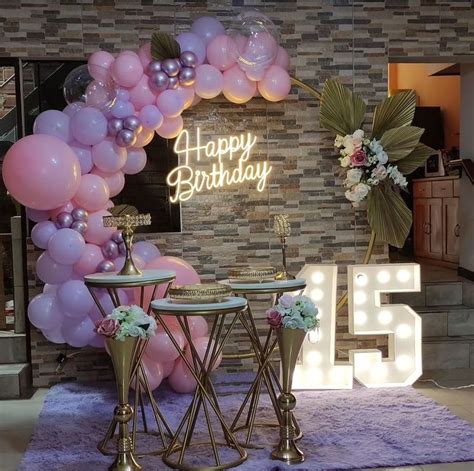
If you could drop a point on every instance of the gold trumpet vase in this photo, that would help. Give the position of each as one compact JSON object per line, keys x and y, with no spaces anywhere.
{"x":124,"y":356}
{"x":289,"y":343}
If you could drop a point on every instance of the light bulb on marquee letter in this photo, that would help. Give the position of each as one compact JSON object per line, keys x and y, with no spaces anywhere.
{"x":399,"y":321}
{"x":319,"y":369}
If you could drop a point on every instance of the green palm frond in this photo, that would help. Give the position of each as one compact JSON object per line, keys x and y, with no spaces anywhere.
{"x":401,"y":141}
{"x":388,"y":215}
{"x":164,"y":46}
{"x":341,"y":110}
{"x":415,"y":159}
{"x":394,"y":112}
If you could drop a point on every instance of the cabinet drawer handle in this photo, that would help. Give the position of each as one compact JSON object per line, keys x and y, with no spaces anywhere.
{"x":428,"y":227}
{"x":456,"y":230}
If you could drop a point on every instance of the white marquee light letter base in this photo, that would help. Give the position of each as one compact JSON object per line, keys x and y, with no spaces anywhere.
{"x":317,"y":367}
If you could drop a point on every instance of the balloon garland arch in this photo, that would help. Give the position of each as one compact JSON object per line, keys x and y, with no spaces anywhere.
{"x":77,"y":159}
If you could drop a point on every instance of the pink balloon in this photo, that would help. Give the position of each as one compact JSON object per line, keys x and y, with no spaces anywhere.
{"x":37,"y":215}
{"x":42,"y":232}
{"x":256,"y":73}
{"x":161,"y":348}
{"x":207,"y":28}
{"x":187,"y":94}
{"x":54,"y":335}
{"x":78,"y":332}
{"x":185,"y":274}
{"x":90,"y":258}
{"x":153,"y":371}
{"x":221,"y":52}
{"x":53,"y":123}
{"x":171,"y":127}
{"x":146,"y":250}
{"x":127,"y":69}
{"x":41,"y":172}
{"x":167,"y":368}
{"x":209,"y":81}
{"x":170,"y":103}
{"x":108,"y":156}
{"x":192,"y":42}
{"x":50,"y":289}
{"x":96,"y":233}
{"x":66,"y":208}
{"x":136,"y":161}
{"x":97,"y":341}
{"x":43,"y":312}
{"x":84,"y":155}
{"x":144,"y":137}
{"x":200,"y":345}
{"x":237,"y":87}
{"x":89,"y":126}
{"x":151,"y":116}
{"x":51,"y":272}
{"x":198,"y":326}
{"x":115,"y":181}
{"x":66,"y":246}
{"x":99,"y":63}
{"x":276,"y":84}
{"x":144,"y":53}
{"x":181,"y":379}
{"x":260,"y":50}
{"x":141,"y":95}
{"x":93,"y":193}
{"x":107,"y":304}
{"x":196,"y":100}
{"x":282,"y":58}
{"x":75,"y":299}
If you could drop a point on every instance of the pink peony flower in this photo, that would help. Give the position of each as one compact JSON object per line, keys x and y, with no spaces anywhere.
{"x":107,"y":327}
{"x":359,"y":158}
{"x":274,"y":318}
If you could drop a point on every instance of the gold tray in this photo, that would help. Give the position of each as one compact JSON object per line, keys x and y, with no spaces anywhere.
{"x":199,"y":294}
{"x":251,"y":274}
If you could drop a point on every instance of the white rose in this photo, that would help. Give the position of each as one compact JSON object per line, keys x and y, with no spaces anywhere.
{"x":345,"y":161}
{"x":382,"y":157}
{"x":354,"y":175}
{"x":348,"y":145}
{"x":379,"y":173}
{"x":135,"y":331}
{"x":359,"y":134}
{"x":360,"y":191}
{"x":375,"y":146}
{"x":338,"y":141}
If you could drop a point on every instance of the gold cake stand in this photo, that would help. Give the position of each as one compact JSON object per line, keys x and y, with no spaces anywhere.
{"x":205,"y":398}
{"x":112,"y":282}
{"x":266,"y":374}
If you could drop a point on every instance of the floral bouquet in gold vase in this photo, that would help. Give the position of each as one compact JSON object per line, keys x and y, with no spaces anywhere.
{"x":126,"y":328}
{"x":375,"y":164}
{"x":291,"y":318}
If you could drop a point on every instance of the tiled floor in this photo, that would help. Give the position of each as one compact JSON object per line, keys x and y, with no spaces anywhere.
{"x":17,"y":419}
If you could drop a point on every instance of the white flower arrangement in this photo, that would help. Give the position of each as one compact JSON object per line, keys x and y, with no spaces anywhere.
{"x":366,"y":164}
{"x":294,"y":312}
{"x":127,"y":321}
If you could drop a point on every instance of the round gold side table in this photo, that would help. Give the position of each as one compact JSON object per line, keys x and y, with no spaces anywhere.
{"x":205,"y":396}
{"x":266,"y":374}
{"x":112,"y":282}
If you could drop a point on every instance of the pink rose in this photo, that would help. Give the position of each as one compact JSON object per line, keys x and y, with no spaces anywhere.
{"x":107,"y":327}
{"x":274,"y":318}
{"x":357,"y":143}
{"x":359,"y":158}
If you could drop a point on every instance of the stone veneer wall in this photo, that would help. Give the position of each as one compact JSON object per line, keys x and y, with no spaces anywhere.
{"x":348,"y":40}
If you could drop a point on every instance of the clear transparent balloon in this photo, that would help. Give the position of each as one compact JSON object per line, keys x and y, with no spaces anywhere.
{"x":80,"y":86}
{"x":256,"y":38}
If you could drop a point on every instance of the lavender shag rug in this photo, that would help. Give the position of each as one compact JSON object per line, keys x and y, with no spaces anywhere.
{"x":351,"y":429}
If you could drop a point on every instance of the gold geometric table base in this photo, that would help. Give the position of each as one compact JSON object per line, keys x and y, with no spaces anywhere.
{"x":205,"y":401}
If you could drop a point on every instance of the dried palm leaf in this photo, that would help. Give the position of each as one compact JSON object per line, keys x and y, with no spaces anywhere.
{"x":123,"y":210}
{"x":394,"y":112}
{"x":164,"y":46}
{"x":388,"y":215}
{"x":399,"y":142}
{"x":341,"y":110}
{"x":415,"y":159}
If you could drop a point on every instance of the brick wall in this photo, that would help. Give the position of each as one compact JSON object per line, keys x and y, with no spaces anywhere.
{"x":344,"y":39}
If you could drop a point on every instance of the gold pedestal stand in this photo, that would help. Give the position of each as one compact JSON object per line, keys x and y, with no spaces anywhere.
{"x":266,"y":376}
{"x":289,"y":343}
{"x":205,"y":398}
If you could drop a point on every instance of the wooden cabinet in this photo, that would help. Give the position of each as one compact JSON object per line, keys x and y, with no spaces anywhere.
{"x":435,"y":219}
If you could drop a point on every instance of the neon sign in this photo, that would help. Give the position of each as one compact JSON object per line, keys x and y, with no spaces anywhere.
{"x":221,"y":154}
